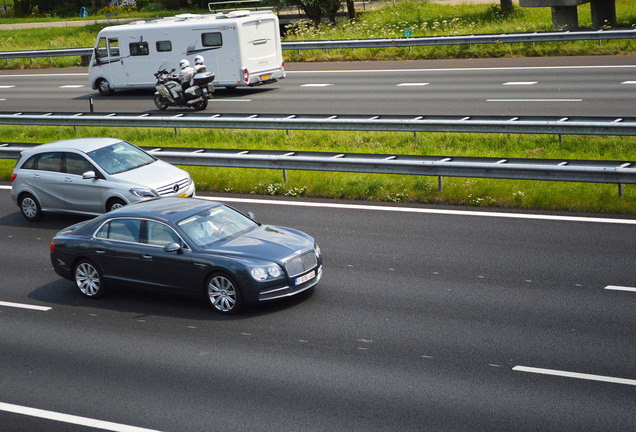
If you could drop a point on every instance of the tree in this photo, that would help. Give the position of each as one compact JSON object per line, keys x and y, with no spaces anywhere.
{"x":506,"y":6}
{"x":351,"y":10}
{"x":315,"y":9}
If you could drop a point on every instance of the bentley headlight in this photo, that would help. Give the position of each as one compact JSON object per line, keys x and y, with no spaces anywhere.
{"x":317,"y":250}
{"x":259,"y":273}
{"x":271,"y":272}
{"x":274,"y":271}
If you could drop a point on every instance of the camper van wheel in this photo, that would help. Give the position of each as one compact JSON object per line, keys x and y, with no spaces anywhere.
{"x":104,"y":88}
{"x":161,"y":102}
{"x":200,"y":105}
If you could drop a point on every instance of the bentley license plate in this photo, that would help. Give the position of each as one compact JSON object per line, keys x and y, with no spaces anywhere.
{"x":305,"y":278}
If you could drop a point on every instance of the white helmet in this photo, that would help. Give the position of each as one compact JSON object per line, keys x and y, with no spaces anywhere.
{"x":184,"y":64}
{"x":198,"y":60}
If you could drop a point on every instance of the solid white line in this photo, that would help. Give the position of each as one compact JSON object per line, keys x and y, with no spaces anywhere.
{"x":37,"y":75}
{"x":25,"y":306}
{"x":629,"y":82}
{"x":520,"y":83}
{"x":6,"y":86}
{"x":232,"y":100}
{"x":417,"y":210}
{"x":72,"y":86}
{"x":316,"y":85}
{"x":620,"y":288}
{"x":412,"y":84}
{"x":575,"y":375}
{"x":423,"y":210}
{"x":513,"y":68}
{"x":534,"y":100}
{"x":66,"y":418}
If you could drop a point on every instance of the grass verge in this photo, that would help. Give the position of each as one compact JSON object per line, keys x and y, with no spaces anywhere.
{"x":388,"y":21}
{"x":579,"y":197}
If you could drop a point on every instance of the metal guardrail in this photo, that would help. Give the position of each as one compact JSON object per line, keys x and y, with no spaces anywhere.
{"x":620,"y":172}
{"x":387,"y":123}
{"x":46,"y":53}
{"x":596,"y":35}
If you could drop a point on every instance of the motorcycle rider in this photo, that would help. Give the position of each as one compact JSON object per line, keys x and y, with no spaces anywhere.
{"x":199,"y":67}
{"x":186,"y":74}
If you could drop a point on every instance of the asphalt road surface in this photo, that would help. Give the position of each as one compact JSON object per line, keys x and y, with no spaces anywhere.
{"x":426,"y":319}
{"x":568,"y":86}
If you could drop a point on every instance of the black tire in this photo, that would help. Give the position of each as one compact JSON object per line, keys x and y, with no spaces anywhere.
{"x":199,"y":106}
{"x":104,"y":88}
{"x":161,"y":102}
{"x":114,"y":204}
{"x":88,"y":279}
{"x":223,"y":294}
{"x":30,"y":208}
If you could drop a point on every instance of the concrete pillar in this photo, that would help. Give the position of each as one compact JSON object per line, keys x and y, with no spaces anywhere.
{"x":565,"y":18}
{"x":603,"y":13}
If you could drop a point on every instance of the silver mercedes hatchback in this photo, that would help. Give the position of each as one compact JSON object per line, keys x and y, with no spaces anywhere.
{"x":91,"y":176}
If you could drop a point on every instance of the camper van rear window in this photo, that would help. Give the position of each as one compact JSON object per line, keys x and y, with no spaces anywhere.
{"x":163,"y":46}
{"x":211,"y":39}
{"x":138,"y":48}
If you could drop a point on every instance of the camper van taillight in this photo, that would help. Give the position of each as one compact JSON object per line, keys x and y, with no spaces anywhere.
{"x":246,"y":76}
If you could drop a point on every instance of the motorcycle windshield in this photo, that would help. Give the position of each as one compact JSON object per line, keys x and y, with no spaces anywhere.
{"x":166,"y":67}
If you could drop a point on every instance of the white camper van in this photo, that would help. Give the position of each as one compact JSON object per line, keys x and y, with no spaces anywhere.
{"x":242,"y":48}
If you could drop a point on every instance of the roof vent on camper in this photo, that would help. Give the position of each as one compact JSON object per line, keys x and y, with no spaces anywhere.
{"x":183,"y":17}
{"x":238,"y":13}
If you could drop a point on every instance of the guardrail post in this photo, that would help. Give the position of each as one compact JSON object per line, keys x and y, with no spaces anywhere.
{"x":90,"y":103}
{"x":285,"y":176}
{"x":440,"y":183}
{"x":620,"y":190}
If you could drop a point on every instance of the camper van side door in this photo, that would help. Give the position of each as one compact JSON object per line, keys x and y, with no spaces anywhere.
{"x":116,"y":62}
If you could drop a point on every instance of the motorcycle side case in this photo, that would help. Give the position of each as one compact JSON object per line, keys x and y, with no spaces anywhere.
{"x":203,"y":78}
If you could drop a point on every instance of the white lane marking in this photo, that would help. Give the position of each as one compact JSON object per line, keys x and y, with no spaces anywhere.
{"x":534,"y":100}
{"x":38,"y":75}
{"x":620,"y":288}
{"x":417,"y":210}
{"x":412,"y":84}
{"x":72,"y":86}
{"x":520,"y":83}
{"x":629,"y":82}
{"x":577,"y":375}
{"x":502,"y":68}
{"x":67,"y":418}
{"x":424,"y":210}
{"x":232,"y":100}
{"x":6,"y":86}
{"x":25,"y":306}
{"x":316,"y":85}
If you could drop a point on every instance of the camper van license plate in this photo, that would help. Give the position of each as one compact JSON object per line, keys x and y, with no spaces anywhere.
{"x":183,"y":195}
{"x":266,"y":77}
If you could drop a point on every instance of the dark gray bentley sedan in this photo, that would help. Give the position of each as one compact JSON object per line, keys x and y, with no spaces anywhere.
{"x":188,"y":245}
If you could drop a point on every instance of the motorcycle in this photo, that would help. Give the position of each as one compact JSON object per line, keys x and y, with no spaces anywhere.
{"x":170,"y":91}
